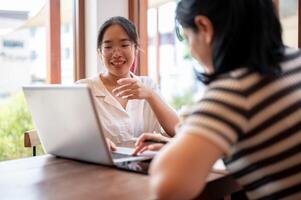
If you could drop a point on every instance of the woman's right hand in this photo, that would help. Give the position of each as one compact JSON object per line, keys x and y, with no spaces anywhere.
{"x":112,"y":146}
{"x":150,"y":141}
{"x":131,"y":88}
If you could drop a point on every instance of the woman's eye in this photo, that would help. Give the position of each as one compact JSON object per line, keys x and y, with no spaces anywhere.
{"x":107,"y":47}
{"x":125,"y":45}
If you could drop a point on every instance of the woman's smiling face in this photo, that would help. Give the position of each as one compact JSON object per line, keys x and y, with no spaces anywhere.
{"x":117,"y":51}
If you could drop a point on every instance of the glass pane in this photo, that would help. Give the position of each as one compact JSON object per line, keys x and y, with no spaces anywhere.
{"x":152,"y":41}
{"x":174,"y":61}
{"x":22,"y":62}
{"x":288,"y":10}
{"x":67,"y":63}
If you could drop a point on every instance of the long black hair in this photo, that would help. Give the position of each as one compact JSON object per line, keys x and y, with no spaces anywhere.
{"x":126,"y":24}
{"x":247,"y":33}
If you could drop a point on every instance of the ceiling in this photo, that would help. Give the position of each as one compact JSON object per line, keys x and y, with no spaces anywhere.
{"x":40,"y":18}
{"x":66,"y":14}
{"x":156,"y":3}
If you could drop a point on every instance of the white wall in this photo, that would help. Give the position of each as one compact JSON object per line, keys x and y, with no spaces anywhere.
{"x":96,"y":12}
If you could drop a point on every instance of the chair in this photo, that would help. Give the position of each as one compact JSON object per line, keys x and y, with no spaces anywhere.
{"x":31,"y":140}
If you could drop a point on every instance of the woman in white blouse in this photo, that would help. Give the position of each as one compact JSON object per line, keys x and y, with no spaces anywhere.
{"x":128,"y":105}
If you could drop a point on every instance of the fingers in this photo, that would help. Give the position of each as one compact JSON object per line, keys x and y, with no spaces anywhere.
{"x":146,"y":136}
{"x":124,"y":81}
{"x":128,"y":93}
{"x":151,"y":137}
{"x":138,"y":149}
{"x":152,"y":147}
{"x":131,"y":88}
{"x":125,"y":87}
{"x":155,"y":147}
{"x":145,"y":148}
{"x":111,"y":145}
{"x":142,"y":143}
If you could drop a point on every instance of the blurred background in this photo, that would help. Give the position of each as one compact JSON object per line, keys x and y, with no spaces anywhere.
{"x":23,"y":58}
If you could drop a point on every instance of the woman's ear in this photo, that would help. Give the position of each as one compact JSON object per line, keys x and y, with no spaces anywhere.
{"x":204,"y":25}
{"x":137,"y":50}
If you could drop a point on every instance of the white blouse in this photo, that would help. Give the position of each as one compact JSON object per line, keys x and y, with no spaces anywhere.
{"x":119,"y":124}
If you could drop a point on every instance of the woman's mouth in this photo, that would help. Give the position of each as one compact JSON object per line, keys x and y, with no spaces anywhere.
{"x":118,"y":63}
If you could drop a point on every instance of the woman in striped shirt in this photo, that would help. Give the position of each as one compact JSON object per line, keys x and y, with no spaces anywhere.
{"x":250,"y":114}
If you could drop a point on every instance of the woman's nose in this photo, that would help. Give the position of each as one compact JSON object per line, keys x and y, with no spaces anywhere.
{"x":116,"y":52}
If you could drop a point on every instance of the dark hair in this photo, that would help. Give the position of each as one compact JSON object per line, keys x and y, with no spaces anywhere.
{"x":247,"y":33}
{"x":126,"y":24}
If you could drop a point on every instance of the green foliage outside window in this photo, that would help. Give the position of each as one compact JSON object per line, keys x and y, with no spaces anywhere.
{"x":177,"y":102}
{"x":15,"y":119}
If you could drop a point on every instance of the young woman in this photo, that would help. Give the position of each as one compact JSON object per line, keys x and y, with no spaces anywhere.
{"x":250,"y":113}
{"x":128,"y":105}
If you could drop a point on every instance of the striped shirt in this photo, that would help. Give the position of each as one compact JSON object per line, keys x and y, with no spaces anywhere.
{"x":256,"y":121}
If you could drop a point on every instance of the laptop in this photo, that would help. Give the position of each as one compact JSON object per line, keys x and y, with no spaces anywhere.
{"x":68,"y":126}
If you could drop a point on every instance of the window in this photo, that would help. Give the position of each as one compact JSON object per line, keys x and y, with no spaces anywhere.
{"x":288,"y":12}
{"x":169,"y":62}
{"x":66,"y":53}
{"x":66,"y":27}
{"x":33,"y":55}
{"x":67,"y":64}
{"x":13,"y":44}
{"x":33,"y":31}
{"x":22,"y":62}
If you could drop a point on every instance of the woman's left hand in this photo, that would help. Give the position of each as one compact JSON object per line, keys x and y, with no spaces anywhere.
{"x":147,"y":147}
{"x":150,"y":141}
{"x":132,"y":89}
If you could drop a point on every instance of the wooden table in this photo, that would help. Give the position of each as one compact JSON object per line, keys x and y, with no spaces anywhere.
{"x":48,"y":177}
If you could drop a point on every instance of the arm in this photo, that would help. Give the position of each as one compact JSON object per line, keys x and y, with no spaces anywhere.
{"x":134,"y":89}
{"x":165,"y":115}
{"x":181,"y":168}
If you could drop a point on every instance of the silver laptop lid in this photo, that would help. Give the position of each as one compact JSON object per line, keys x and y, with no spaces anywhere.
{"x":67,"y":123}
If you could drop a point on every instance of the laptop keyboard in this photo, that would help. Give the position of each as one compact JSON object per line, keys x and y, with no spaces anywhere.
{"x":120,"y":155}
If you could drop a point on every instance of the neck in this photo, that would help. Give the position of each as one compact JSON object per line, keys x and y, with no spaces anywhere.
{"x":112,"y":79}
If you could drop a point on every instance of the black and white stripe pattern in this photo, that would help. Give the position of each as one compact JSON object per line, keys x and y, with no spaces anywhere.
{"x":257,"y":121}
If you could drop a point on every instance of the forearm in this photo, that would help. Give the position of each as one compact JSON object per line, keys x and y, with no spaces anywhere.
{"x":188,"y":154}
{"x":166,"y":116}
{"x":167,"y":179}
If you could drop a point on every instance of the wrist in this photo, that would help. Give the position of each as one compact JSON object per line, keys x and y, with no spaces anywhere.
{"x":161,"y":138}
{"x":149,"y":96}
{"x":165,"y":139}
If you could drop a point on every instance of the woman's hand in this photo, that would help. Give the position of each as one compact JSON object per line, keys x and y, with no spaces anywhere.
{"x":132,"y":89}
{"x":150,"y":141}
{"x":112,"y":146}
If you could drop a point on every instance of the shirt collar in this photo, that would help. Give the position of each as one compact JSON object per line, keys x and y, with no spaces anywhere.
{"x":98,"y":87}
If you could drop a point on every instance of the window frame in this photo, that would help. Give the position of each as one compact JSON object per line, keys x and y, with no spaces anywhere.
{"x":138,"y":15}
{"x":53,"y":28}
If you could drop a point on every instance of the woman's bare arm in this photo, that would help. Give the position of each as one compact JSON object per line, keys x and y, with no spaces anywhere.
{"x":181,"y":168}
